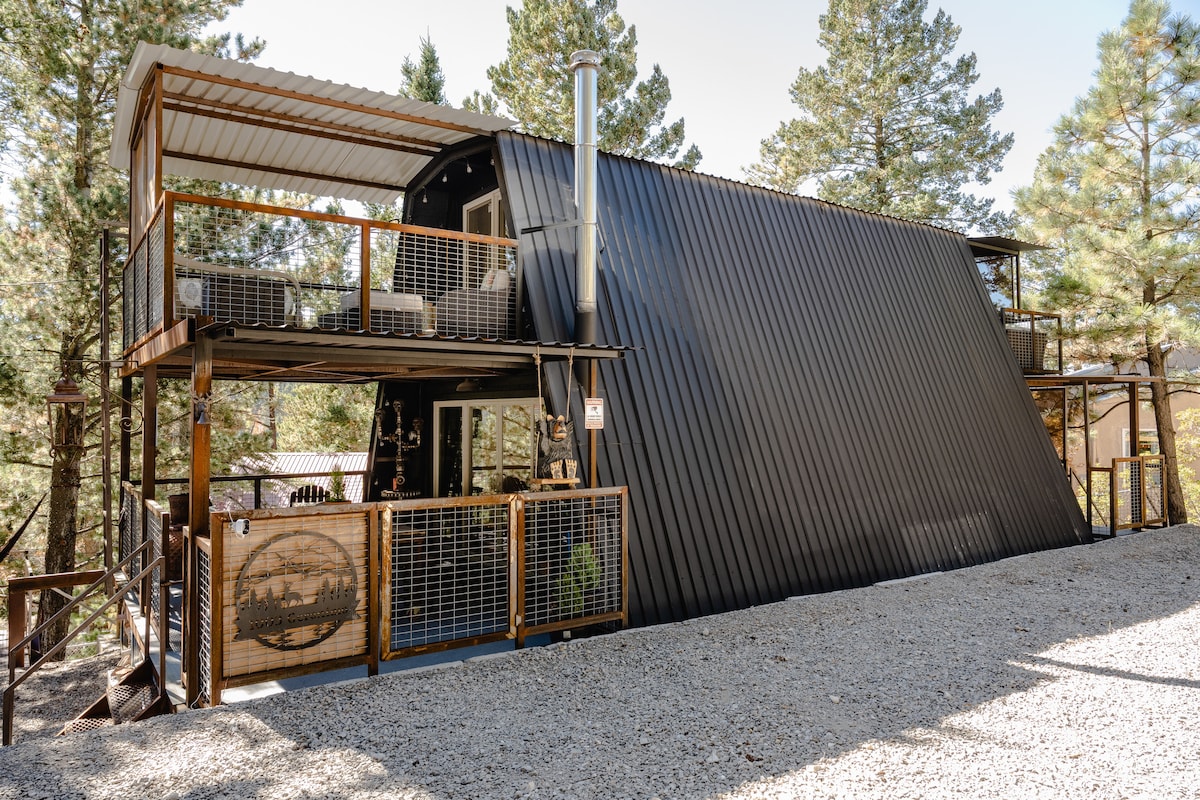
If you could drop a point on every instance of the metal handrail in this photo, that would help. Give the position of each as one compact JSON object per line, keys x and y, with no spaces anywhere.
{"x":14,"y":682}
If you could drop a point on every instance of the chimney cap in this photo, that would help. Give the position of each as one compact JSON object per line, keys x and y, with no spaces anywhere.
{"x":584,"y":58}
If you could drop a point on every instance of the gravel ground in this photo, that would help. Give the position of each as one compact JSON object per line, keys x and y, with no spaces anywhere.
{"x":1070,"y":673}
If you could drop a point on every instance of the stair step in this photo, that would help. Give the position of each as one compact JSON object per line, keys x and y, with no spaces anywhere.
{"x":127,"y":700}
{"x":86,"y":724}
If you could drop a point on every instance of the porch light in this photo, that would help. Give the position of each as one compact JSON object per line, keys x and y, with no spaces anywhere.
{"x":70,"y":399}
{"x":201,"y":402}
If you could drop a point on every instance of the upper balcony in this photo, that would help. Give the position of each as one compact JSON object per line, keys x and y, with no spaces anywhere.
{"x":226,"y":261}
{"x":281,"y":277}
{"x":1034,"y":336}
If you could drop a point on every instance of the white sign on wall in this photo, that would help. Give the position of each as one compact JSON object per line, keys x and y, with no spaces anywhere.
{"x":593,"y":413}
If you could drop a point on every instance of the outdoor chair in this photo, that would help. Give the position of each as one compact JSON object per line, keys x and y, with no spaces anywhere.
{"x":308,"y":495}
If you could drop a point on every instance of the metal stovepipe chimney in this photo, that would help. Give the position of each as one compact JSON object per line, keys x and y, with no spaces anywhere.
{"x":586,"y":65}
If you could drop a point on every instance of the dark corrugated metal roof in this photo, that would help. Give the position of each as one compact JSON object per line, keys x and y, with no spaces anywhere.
{"x":825,"y":398}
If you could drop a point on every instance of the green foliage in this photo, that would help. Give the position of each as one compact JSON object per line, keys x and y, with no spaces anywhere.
{"x":423,"y":79}
{"x":330,"y":418}
{"x":337,"y":486}
{"x":581,"y":575}
{"x":1118,"y":195}
{"x":535,"y":81}
{"x":60,"y":68}
{"x":886,"y":125}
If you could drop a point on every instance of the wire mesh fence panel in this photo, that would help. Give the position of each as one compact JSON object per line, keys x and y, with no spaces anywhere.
{"x":1155,"y":507}
{"x":140,"y":324}
{"x":1128,"y":494}
{"x":1046,"y":330}
{"x":574,"y":557}
{"x":1138,"y":491}
{"x":448,"y":574}
{"x":155,"y":273}
{"x":154,"y":530}
{"x":130,"y":298}
{"x":242,"y":263}
{"x":204,"y":645}
{"x":125,"y":527}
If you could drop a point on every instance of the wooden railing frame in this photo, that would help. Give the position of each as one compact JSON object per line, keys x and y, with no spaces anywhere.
{"x":378,"y":516}
{"x":166,"y":207}
{"x":1143,"y":520}
{"x":1033,"y":317}
{"x":99,"y":583}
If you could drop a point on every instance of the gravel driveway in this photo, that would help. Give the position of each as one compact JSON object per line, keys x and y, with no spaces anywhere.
{"x":1066,"y":674}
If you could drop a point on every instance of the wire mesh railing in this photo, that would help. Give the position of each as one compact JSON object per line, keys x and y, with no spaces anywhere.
{"x":447,"y":573}
{"x":1138,"y":496}
{"x":1036,"y":340}
{"x":204,"y":645}
{"x":573,"y":558}
{"x":257,"y":264}
{"x":294,"y":591}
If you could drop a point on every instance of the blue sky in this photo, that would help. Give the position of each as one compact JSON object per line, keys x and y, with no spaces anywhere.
{"x":730,"y":64}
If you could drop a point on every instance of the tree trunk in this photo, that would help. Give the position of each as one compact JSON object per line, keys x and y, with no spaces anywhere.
{"x":1161,"y":402}
{"x":62,"y":526}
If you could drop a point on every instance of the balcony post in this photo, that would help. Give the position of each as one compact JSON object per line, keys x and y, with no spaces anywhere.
{"x":364,"y":279}
{"x":168,"y":260}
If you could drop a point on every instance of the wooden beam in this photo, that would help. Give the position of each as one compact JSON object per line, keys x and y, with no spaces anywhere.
{"x":295,"y":173}
{"x":308,"y":127}
{"x":323,"y":101}
{"x":155,"y":350}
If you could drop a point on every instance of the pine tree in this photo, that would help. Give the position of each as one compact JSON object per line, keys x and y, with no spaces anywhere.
{"x":423,"y":79}
{"x":1118,"y":195}
{"x":536,"y":85}
{"x":885,"y":125}
{"x":60,"y":67}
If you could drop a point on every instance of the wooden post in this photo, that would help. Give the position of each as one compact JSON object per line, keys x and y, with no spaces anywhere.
{"x":364,"y":286}
{"x":373,"y":581}
{"x":593,"y":379}
{"x":1087,"y":451}
{"x":18,"y":614}
{"x":199,"y":480}
{"x":105,"y":421}
{"x":1135,"y":432}
{"x":149,"y":453}
{"x":516,"y":527}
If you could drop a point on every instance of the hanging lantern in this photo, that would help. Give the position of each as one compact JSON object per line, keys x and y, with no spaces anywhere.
{"x":68,"y":397}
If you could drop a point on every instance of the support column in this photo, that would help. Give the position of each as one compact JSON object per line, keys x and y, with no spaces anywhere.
{"x":199,"y":479}
{"x":149,"y":456}
{"x":593,"y":380}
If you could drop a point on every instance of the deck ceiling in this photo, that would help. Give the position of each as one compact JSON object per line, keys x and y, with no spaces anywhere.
{"x":258,"y":352}
{"x":241,"y":123}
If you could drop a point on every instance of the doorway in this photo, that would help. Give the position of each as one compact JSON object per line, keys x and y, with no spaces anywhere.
{"x":484,"y":446}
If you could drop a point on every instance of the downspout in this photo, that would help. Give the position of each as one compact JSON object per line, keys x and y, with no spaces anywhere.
{"x":586,"y":65}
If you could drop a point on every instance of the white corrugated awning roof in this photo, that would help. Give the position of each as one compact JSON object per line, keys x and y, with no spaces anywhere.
{"x":231,"y":121}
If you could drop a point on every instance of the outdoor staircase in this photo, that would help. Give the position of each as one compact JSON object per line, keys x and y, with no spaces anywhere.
{"x":134,"y":697}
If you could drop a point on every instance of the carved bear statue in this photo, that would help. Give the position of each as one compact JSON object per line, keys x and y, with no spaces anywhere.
{"x":557,"y":449}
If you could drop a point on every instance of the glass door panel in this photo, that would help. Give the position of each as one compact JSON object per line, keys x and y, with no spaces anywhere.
{"x":485,"y":462}
{"x":485,"y":446}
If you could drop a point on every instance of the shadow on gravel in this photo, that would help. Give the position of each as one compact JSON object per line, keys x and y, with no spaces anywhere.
{"x":690,"y":710}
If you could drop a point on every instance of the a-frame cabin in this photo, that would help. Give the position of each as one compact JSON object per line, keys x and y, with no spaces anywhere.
{"x":798,"y":397}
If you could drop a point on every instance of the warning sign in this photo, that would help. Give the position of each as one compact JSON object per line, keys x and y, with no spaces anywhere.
{"x":593,"y":413}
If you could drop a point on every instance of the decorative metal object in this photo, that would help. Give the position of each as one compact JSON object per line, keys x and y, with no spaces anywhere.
{"x":295,"y":591}
{"x":201,"y":403}
{"x":406,"y":441}
{"x":67,"y":397}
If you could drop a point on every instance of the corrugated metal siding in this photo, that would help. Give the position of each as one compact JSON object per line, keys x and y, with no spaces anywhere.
{"x":824,"y":398}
